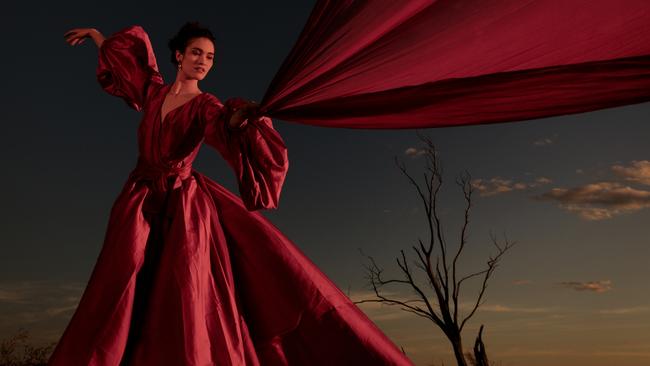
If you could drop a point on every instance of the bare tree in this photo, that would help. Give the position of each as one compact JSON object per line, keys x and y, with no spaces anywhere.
{"x":441,"y":271}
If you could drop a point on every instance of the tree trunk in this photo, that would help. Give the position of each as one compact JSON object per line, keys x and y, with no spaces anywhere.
{"x":479,"y":350}
{"x":457,"y":345}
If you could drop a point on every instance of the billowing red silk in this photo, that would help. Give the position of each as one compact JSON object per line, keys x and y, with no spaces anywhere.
{"x":427,"y":63}
{"x":191,"y":274}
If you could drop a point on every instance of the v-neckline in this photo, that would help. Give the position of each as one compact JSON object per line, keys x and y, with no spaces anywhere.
{"x":162,"y":119}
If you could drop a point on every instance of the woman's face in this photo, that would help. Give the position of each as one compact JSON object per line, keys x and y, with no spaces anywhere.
{"x":197,"y":59}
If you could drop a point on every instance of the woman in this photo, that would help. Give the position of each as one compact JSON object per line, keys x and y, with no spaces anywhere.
{"x":189,"y":273}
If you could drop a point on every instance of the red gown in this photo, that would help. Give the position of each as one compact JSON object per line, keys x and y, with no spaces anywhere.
{"x":191,"y":274}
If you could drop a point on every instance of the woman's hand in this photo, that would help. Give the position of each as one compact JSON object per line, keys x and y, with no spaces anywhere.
{"x":248,"y":111}
{"x":77,"y":36}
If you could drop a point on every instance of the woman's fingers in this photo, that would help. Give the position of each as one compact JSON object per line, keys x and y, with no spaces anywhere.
{"x":71,"y":33}
{"x":239,"y":114}
{"x":247,"y":111}
{"x":71,"y":37}
{"x":76,"y":36}
{"x":251,"y":105}
{"x":252,"y":109}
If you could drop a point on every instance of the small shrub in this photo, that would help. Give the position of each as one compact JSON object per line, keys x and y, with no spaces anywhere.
{"x":30,"y":355}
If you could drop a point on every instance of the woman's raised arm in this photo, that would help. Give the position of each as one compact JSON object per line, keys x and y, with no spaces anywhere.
{"x":126,"y":63}
{"x":78,"y":35}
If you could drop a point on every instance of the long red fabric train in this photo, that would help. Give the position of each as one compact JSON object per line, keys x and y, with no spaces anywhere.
{"x":190,"y":274}
{"x":427,"y":63}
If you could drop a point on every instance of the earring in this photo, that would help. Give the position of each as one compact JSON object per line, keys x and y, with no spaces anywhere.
{"x":179,"y":66}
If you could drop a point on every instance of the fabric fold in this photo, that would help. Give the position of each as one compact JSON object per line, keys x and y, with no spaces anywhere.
{"x":383,"y":64}
{"x":256,"y":152}
{"x":127,"y":66}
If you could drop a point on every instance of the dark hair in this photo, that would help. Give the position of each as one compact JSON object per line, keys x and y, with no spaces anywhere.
{"x":185,"y":34}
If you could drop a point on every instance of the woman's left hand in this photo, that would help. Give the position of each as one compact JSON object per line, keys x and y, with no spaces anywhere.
{"x":252,"y":110}
{"x":249,"y":111}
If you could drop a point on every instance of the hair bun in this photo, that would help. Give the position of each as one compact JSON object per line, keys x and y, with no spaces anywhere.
{"x":188,"y":31}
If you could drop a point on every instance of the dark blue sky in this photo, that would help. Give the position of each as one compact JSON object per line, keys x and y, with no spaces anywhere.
{"x":579,"y":270}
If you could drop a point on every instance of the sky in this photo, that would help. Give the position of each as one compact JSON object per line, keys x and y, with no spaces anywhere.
{"x":572,"y":191}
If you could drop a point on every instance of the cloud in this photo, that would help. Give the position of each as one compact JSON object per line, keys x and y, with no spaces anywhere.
{"x":593,"y":286}
{"x":521,"y":282}
{"x":61,"y":309}
{"x":493,"y":186}
{"x":414,"y":152}
{"x":498,"y":185}
{"x":9,"y":295}
{"x":501,"y":308}
{"x":497,"y":308}
{"x":624,"y":311}
{"x":543,"y":142}
{"x":638,"y":172}
{"x":379,"y":311}
{"x":599,"y":201}
{"x":37,"y":301}
{"x":37,"y":292}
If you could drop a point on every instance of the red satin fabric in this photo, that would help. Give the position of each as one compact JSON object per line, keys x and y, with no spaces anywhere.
{"x":191,"y":274}
{"x":433,"y":63}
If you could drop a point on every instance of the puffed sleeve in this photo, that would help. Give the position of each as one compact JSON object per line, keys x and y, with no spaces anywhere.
{"x":127,"y":66}
{"x":255,"y":151}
